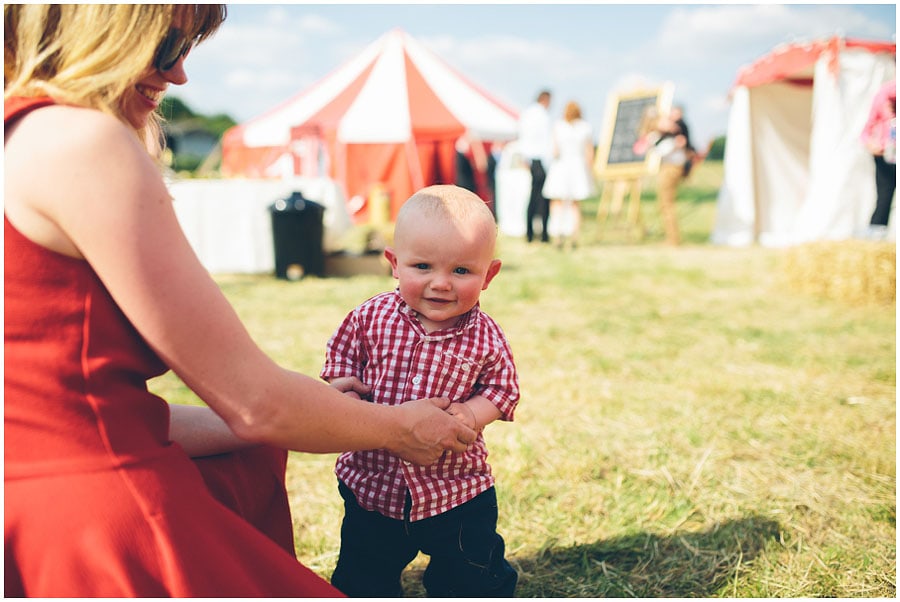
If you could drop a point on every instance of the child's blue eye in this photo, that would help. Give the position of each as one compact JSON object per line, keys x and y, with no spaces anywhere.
{"x":421,"y":266}
{"x":461,"y":271}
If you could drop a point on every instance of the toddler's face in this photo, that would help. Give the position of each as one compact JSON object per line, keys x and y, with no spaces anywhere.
{"x":442,"y":267}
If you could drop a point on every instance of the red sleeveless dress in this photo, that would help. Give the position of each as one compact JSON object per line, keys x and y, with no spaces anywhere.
{"x":98,"y":502}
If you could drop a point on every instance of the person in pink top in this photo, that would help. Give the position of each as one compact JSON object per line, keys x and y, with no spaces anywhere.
{"x":428,"y":337}
{"x":880,"y":138}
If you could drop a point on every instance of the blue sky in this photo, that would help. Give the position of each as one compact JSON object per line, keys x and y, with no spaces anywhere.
{"x":266,"y":53}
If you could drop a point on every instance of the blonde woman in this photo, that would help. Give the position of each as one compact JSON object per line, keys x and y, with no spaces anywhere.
{"x":109,"y":491}
{"x":569,"y":179}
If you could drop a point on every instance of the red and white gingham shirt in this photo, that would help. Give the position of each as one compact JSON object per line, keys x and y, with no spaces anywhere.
{"x":383,"y":344}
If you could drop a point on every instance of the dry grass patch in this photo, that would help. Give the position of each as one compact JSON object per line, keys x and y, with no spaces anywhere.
{"x":853,"y":271}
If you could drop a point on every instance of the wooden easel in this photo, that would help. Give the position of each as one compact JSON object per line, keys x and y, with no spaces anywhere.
{"x":612,"y":199}
{"x":621,"y":162}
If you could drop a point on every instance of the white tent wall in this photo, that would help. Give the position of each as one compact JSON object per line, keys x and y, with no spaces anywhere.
{"x":781,"y":117}
{"x":795,"y":169}
{"x":765,"y":164}
{"x":841,"y":195}
{"x":736,"y":215}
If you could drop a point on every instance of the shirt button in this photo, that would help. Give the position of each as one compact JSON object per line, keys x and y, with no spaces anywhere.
{"x":417,"y":380}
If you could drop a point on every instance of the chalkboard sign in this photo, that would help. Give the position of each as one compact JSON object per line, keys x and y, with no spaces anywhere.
{"x":628,"y":118}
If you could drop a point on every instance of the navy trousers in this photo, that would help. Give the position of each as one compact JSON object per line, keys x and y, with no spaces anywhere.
{"x":538,"y":205}
{"x":466,"y":552}
{"x":885,"y":184}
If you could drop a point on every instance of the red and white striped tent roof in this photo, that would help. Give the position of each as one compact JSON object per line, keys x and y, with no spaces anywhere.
{"x":390,"y":116}
{"x":795,"y":63}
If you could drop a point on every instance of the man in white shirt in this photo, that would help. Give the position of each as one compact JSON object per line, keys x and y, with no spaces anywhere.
{"x":536,"y":144}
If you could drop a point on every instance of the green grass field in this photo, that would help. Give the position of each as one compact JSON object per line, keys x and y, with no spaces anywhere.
{"x":690,"y":425}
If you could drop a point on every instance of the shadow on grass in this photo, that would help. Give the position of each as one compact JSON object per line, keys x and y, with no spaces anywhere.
{"x":645,"y":565}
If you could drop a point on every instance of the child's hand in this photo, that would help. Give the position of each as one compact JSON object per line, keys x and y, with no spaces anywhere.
{"x":351,"y":386}
{"x":463,"y":413}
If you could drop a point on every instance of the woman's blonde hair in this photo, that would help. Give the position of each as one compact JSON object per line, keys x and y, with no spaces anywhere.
{"x":89,"y":55}
{"x":572,"y":112}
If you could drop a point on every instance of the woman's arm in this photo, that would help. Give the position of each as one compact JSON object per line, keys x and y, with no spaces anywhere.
{"x":202,"y":432}
{"x":82,"y":184}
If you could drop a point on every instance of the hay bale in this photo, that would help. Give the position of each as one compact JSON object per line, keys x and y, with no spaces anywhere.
{"x":851,"y":271}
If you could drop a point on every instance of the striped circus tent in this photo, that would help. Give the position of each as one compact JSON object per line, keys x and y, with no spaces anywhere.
{"x":387,"y":119}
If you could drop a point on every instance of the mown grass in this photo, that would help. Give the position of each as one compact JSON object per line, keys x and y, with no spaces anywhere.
{"x":689,"y":426}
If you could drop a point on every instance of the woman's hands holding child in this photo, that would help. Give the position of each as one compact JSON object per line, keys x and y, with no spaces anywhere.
{"x":431,"y":432}
{"x":427,"y":428}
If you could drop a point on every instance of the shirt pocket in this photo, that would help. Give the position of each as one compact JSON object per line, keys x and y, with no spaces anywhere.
{"x":455,"y":376}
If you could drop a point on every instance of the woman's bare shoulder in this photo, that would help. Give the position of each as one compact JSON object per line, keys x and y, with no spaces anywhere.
{"x":64,"y":163}
{"x":59,"y":131}
{"x":73,"y":145}
{"x":70,"y":114}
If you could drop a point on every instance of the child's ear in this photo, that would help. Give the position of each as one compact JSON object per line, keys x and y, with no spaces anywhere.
{"x":392,"y":259}
{"x":491,"y":272}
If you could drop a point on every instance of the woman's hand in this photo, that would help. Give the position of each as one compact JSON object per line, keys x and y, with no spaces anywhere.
{"x":427,"y":431}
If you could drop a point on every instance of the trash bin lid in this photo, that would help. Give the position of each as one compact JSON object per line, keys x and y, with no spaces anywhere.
{"x":296,"y":202}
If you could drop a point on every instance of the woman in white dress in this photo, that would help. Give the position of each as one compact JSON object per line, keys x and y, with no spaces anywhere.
{"x":569,"y":179}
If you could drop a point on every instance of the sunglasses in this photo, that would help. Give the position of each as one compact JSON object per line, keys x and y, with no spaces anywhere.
{"x":172,"y":48}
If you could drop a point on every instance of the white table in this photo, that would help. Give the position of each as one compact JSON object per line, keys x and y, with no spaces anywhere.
{"x":228,"y":222}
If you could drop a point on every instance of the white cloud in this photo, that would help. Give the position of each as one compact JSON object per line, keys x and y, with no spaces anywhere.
{"x":716,"y":103}
{"x":710,"y":32}
{"x":512,"y":68}
{"x":257,"y":63}
{"x":633,"y":81}
{"x":317,"y":24}
{"x":507,"y":55}
{"x":279,"y":17}
{"x":822,"y":22}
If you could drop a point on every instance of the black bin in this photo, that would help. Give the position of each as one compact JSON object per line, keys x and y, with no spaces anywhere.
{"x":297,"y":232}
